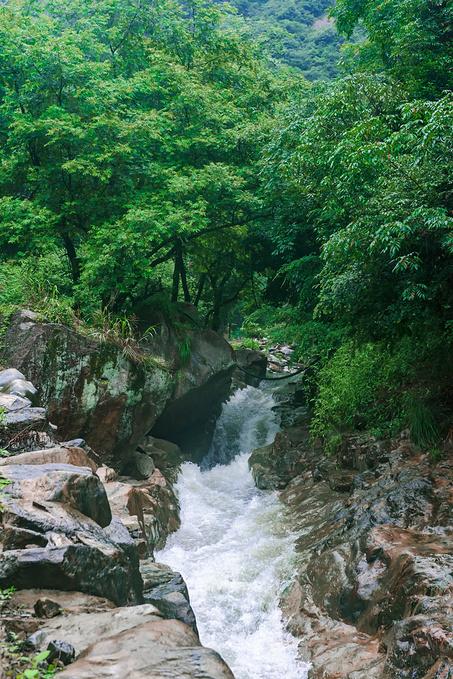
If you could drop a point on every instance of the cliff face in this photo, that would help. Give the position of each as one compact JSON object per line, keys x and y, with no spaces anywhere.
{"x":95,"y":390}
{"x":373,"y":591}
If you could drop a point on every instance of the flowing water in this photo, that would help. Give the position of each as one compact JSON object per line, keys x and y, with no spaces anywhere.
{"x":234,"y":549}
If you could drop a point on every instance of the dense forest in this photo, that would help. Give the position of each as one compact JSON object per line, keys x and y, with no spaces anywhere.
{"x":298,"y":32}
{"x":153,"y":152}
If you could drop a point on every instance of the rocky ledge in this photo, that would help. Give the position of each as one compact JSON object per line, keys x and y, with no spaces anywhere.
{"x":79,"y":587}
{"x":373,"y":596}
{"x":113,"y":395}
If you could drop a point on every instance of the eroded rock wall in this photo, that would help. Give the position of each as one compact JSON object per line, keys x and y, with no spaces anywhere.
{"x":373,"y":596}
{"x":95,"y":390}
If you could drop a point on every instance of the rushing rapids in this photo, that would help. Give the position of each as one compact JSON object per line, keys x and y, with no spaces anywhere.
{"x":234,"y":549}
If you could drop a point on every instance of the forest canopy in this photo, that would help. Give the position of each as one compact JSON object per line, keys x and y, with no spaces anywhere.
{"x":151,"y":153}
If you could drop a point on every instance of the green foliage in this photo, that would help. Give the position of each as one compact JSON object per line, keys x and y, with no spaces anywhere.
{"x":39,"y":668}
{"x":150,"y":154}
{"x":312,"y":340}
{"x":26,"y":666}
{"x":121,"y":331}
{"x":4,"y":482}
{"x":371,"y":386}
{"x":185,"y":350}
{"x":300,"y":33}
{"x":248,"y":343}
{"x":129,"y":136}
{"x":353,"y":391}
{"x":6,"y":594}
{"x":358,"y":175}
{"x":421,"y":421}
{"x":412,"y":40}
{"x":41,"y":283}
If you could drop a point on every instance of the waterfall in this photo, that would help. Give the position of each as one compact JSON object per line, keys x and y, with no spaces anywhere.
{"x":234,"y":549}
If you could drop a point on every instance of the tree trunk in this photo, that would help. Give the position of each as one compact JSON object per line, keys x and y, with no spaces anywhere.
{"x":182,"y":272}
{"x":72,"y":256}
{"x":200,"y":288}
{"x":175,"y":285}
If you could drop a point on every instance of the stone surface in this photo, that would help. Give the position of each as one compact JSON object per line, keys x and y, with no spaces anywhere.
{"x":273,"y":466}
{"x":23,"y":427}
{"x":251,"y":366}
{"x":93,"y":390}
{"x":75,"y":487}
{"x":167,"y":456}
{"x":166,"y":589}
{"x":80,"y":629}
{"x":46,"y":608}
{"x":374,"y":591}
{"x":56,"y":455}
{"x":149,"y":508}
{"x":69,"y":602}
{"x":14,"y":382}
{"x":54,"y":530}
{"x":152,"y":650}
{"x":62,"y":651}
{"x":203,"y":384}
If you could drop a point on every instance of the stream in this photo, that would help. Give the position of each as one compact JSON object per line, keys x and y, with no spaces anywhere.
{"x":234,"y":548}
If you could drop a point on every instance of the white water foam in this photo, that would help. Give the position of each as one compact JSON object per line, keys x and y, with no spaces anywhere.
{"x":234,"y":549}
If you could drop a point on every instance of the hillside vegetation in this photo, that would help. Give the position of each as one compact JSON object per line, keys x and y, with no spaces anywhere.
{"x":298,"y":32}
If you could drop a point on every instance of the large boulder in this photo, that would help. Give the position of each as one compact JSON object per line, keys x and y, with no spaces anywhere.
{"x":288,"y":456}
{"x":373,"y":595}
{"x":251,"y":366}
{"x":98,"y":391}
{"x":166,"y":589}
{"x":80,"y":628}
{"x":202,"y":385}
{"x":155,"y":650}
{"x":148,"y":508}
{"x":57,"y":527}
{"x":63,"y":454}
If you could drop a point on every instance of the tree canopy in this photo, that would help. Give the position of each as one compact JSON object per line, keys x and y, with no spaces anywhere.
{"x":151,"y":153}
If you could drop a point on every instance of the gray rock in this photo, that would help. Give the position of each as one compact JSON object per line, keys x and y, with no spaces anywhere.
{"x":46,"y":608}
{"x":62,"y":651}
{"x":154,"y":650}
{"x":95,"y":392}
{"x":252,"y":366}
{"x":167,"y":590}
{"x":48,"y":537}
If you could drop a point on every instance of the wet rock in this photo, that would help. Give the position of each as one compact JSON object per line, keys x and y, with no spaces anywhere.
{"x":290,"y":454}
{"x":420,"y":647}
{"x":140,"y":466}
{"x":149,"y":508}
{"x":374,"y":591}
{"x":62,"y":651}
{"x":94,"y":391}
{"x":342,"y":480}
{"x":46,"y":608}
{"x":251,"y":366}
{"x":46,"y":538}
{"x":203,"y":384}
{"x":165,"y":648}
{"x":167,"y":456}
{"x":80,"y":629}
{"x":167,"y":590}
